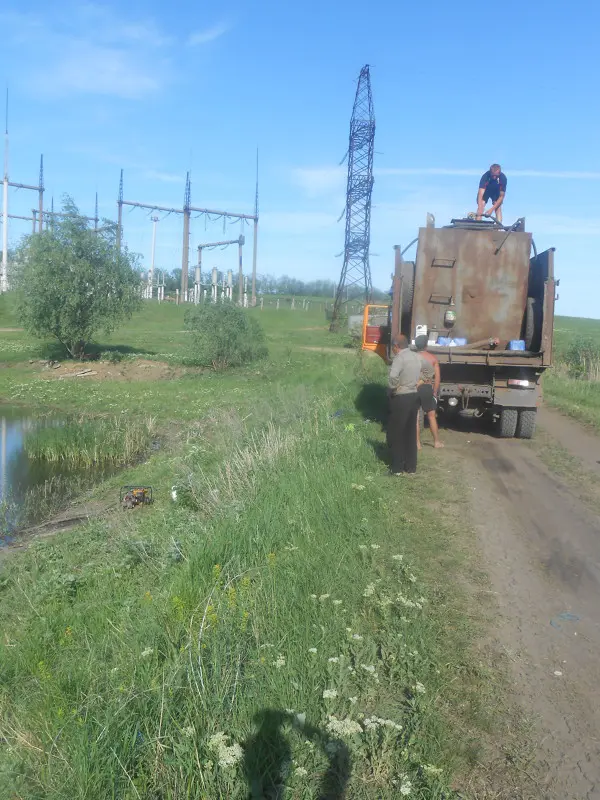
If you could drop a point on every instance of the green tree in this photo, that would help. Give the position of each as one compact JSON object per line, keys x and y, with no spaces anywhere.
{"x":224,"y":335}
{"x":73,"y":283}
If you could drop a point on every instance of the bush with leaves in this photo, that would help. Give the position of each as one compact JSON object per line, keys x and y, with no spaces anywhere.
{"x":73,"y":282}
{"x":583,"y":358}
{"x":224,"y":336}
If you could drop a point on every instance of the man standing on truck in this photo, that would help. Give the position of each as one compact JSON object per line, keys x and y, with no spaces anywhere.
{"x":427,"y":389}
{"x":492,"y":186}
{"x":402,"y":422}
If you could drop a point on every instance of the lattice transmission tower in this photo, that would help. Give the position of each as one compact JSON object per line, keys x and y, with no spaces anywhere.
{"x":356,"y":270}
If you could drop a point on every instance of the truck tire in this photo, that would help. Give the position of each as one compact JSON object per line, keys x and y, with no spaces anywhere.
{"x":533,"y":325}
{"x":526,"y":423}
{"x":507,"y":424}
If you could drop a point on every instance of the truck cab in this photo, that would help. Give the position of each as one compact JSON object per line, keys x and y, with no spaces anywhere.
{"x":485,"y":299}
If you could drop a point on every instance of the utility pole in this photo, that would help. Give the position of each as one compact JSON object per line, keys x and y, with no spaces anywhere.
{"x":120,"y":214}
{"x":240,"y":274}
{"x":41,"y":195}
{"x":185,"y":258}
{"x":255,"y":237}
{"x":4,"y":272}
{"x":151,"y":275}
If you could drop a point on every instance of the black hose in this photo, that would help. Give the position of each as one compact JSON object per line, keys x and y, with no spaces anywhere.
{"x":408,"y":246}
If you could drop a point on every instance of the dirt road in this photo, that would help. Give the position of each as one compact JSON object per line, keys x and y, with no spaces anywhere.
{"x":541,"y":547}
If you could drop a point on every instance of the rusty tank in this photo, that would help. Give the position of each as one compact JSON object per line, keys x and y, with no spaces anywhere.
{"x":485,"y":299}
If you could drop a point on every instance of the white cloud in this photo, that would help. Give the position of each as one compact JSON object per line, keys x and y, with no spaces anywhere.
{"x":318,"y":181}
{"x":517,"y":173}
{"x":296,"y":222}
{"x":164,"y":177}
{"x":208,"y":35}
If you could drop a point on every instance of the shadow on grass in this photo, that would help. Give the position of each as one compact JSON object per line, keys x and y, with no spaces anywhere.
{"x":54,"y":351}
{"x":372,"y":402}
{"x":268,"y":757}
{"x":382,"y":451}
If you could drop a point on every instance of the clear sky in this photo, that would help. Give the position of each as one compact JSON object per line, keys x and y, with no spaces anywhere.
{"x":159,"y":88}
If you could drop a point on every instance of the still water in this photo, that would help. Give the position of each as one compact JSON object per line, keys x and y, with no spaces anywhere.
{"x":31,"y":490}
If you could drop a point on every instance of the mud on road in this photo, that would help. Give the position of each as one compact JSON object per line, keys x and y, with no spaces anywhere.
{"x":541,"y":549}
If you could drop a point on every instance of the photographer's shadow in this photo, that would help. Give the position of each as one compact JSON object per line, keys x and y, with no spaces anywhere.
{"x":268,"y":757}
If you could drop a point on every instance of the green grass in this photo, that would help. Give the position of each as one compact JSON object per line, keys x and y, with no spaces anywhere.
{"x":261,"y":628}
{"x":91,"y":442}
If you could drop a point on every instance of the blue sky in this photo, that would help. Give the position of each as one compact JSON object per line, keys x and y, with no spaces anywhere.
{"x":160,"y":88}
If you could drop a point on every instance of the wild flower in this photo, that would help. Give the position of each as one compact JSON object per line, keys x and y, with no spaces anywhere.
{"x":329,"y":694}
{"x":368,"y":668}
{"x":279,"y":662}
{"x":429,"y":769}
{"x":271,"y":559}
{"x":324,"y":597}
{"x":375,"y":547}
{"x":397,"y":558}
{"x":353,"y":700}
{"x":188,"y":731}
{"x":337,"y":602}
{"x":376,"y":722}
{"x":342,"y":727}
{"x":405,"y":786}
{"x":147,"y":652}
{"x":419,"y":688}
{"x":369,"y":591}
{"x":333,"y":660}
{"x":362,"y":547}
{"x":313,"y":596}
{"x":412,"y":578}
{"x":228,"y":755}
{"x":358,"y":487}
{"x":290,"y":548}
{"x":312,"y":649}
{"x":357,"y":637}
{"x":301,"y":772}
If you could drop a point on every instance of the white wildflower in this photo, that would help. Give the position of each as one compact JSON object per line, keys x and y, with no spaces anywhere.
{"x":368,"y":668}
{"x":333,"y":660}
{"x":280,"y":661}
{"x":349,"y":630}
{"x":313,"y":596}
{"x":312,"y":649}
{"x":412,"y":578}
{"x":290,"y":548}
{"x":324,"y":597}
{"x":189,"y":731}
{"x":431,"y":770}
{"x":419,"y":688}
{"x":375,"y":547}
{"x":362,"y":547}
{"x":337,"y":602}
{"x":358,"y":487}
{"x":228,"y":755}
{"x":301,"y":772}
{"x":405,"y":786}
{"x":343,"y":727}
{"x":370,"y":590}
{"x":329,"y":694}
{"x":353,"y":700}
{"x":398,"y":558}
{"x":147,"y":652}
{"x":357,"y":637}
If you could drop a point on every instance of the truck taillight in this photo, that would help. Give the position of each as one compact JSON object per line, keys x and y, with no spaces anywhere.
{"x":520,"y":384}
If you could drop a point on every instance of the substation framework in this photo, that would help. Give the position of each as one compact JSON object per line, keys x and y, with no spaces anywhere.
{"x":356,"y":270}
{"x":240,"y":241}
{"x":188,"y":211}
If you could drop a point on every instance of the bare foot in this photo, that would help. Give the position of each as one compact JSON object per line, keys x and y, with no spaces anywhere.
{"x":437,"y":445}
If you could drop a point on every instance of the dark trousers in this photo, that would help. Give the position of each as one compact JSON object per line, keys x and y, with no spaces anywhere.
{"x":402,"y":432}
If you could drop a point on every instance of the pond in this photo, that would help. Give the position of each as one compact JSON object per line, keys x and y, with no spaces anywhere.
{"x":31,"y":490}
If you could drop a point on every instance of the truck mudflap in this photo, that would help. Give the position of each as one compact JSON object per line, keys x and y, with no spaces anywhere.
{"x":516,"y":398}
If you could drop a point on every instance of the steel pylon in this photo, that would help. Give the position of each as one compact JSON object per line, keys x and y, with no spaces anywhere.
{"x":356,"y":270}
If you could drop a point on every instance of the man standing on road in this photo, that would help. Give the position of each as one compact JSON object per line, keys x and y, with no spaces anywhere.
{"x":402,"y":423}
{"x":427,"y":389}
{"x":492,"y":186}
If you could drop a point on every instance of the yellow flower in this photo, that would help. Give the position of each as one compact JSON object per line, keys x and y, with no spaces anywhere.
{"x":147,"y":597}
{"x":271,"y":559}
{"x":245,"y":618}
{"x":68,"y":630}
{"x":216,"y":571}
{"x":232,"y":597}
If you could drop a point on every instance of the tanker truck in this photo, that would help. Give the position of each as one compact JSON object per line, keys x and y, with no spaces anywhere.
{"x":485,"y":299}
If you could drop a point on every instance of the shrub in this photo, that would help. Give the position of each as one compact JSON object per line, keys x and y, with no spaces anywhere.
{"x":224,"y":336}
{"x":583,"y":359}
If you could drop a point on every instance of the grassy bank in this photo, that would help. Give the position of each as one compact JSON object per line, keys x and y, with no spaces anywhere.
{"x":297,"y":618}
{"x":573,"y":385}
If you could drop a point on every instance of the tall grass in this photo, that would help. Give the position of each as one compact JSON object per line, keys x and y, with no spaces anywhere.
{"x":573,"y":385}
{"x":281,"y":634}
{"x":88,"y":442}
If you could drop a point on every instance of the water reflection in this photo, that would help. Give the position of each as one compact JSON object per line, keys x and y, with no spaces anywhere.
{"x":31,"y":490}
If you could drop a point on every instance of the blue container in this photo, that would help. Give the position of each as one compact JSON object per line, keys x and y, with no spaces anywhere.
{"x":516,"y":344}
{"x":459,"y":342}
{"x":443,"y":341}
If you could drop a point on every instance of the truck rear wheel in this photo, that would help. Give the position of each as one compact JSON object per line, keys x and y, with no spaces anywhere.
{"x":526,"y":423}
{"x":507,"y":424}
{"x":533,"y":325}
